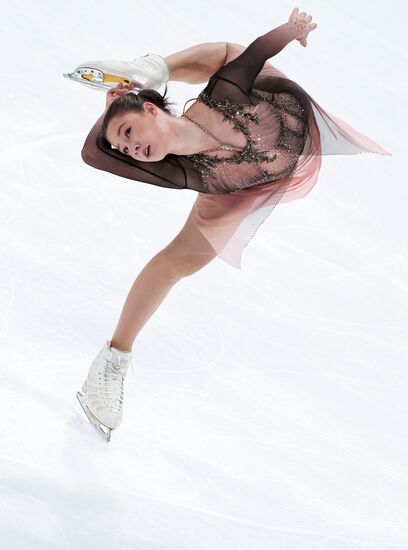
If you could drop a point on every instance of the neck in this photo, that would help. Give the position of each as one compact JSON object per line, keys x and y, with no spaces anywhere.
{"x":187,"y":137}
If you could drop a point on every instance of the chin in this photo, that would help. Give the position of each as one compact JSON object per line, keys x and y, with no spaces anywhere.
{"x":157,"y":157}
{"x":160,"y":153}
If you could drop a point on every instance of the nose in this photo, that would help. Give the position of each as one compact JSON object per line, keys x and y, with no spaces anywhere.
{"x":138,"y":150}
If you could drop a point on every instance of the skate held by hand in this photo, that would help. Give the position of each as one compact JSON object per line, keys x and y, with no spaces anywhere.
{"x":118,"y":91}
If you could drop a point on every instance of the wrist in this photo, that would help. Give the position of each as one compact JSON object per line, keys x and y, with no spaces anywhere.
{"x":291,"y":30}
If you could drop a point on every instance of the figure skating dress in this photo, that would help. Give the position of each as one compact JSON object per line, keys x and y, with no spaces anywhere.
{"x":283,"y":132}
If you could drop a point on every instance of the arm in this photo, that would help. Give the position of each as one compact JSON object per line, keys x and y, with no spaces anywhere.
{"x":245,"y":68}
{"x":241,"y":73}
{"x":169,"y":172}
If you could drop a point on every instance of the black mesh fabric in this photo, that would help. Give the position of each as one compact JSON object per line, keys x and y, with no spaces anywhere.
{"x":233,"y":82}
{"x":286,"y":133}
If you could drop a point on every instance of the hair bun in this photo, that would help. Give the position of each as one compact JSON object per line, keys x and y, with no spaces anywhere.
{"x":149,"y":94}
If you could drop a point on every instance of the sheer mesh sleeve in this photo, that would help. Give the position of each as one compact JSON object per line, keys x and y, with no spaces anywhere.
{"x":173,"y":172}
{"x":233,"y":81}
{"x":236,"y":79}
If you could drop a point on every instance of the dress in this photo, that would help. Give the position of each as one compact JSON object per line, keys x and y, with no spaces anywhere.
{"x":283,"y":132}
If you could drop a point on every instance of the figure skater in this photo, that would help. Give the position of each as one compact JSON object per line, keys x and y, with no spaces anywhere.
{"x":251,"y":139}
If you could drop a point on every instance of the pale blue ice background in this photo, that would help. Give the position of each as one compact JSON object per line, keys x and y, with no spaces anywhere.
{"x":268,"y":407}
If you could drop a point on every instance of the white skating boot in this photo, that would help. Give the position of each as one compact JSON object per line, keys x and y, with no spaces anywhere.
{"x":103,"y":394}
{"x":149,"y":71}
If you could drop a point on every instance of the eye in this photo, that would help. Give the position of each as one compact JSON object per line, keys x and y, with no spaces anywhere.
{"x":127,"y":133}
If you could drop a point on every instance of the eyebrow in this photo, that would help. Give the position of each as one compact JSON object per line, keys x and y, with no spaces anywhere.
{"x":117,"y":147}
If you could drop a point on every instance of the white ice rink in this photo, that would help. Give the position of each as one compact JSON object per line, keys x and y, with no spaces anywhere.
{"x":268,"y":406}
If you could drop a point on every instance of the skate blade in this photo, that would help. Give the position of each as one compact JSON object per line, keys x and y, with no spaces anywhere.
{"x":98,"y":79}
{"x":92,"y":419}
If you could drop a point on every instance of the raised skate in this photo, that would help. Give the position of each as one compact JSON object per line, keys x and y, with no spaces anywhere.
{"x":149,"y":71}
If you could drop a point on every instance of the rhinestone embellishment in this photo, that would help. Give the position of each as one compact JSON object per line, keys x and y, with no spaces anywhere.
{"x":240,"y":115}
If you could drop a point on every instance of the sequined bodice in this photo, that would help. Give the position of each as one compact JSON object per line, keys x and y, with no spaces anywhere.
{"x":245,"y":118}
{"x":246,"y":95}
{"x":222,"y":146}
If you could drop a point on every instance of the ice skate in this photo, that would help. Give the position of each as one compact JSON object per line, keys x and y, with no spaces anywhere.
{"x":103,"y":393}
{"x":149,"y":71}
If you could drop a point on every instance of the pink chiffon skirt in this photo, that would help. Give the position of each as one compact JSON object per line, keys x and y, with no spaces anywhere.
{"x":229,"y":221}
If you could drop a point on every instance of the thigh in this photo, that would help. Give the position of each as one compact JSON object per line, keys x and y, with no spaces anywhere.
{"x":189,"y":251}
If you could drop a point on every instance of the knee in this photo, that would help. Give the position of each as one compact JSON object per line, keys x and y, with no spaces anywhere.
{"x":183,"y":265}
{"x":189,"y":266}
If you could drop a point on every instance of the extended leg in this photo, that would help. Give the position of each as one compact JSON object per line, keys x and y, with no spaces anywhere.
{"x":197,"y":63}
{"x":188,"y":252}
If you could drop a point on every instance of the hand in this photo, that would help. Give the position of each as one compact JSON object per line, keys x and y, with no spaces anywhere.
{"x":118,"y":91}
{"x":300,"y":25}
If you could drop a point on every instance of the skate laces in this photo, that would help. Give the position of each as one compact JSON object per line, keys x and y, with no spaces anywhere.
{"x":115,"y":372}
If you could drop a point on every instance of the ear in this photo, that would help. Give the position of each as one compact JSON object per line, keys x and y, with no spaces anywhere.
{"x":150,"y":107}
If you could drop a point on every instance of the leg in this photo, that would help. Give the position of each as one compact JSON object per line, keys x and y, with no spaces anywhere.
{"x":188,"y":252}
{"x":196,"y":64}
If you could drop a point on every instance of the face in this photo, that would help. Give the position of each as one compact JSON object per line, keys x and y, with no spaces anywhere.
{"x":132,"y":133}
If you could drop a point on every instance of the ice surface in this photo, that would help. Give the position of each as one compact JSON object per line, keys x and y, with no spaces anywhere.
{"x":268,"y":407}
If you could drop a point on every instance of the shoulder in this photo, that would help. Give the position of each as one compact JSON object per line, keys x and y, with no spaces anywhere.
{"x":233,"y":51}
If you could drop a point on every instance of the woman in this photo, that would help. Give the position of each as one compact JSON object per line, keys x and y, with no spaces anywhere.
{"x":252,"y":139}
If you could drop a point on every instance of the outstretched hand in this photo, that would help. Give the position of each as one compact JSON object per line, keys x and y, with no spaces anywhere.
{"x":300,"y":24}
{"x":118,"y":91}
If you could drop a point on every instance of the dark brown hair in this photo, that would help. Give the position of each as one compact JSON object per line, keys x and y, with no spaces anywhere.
{"x":134,"y":103}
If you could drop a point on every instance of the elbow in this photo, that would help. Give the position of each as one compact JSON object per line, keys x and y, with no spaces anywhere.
{"x":89,"y":150}
{"x":86,"y":156}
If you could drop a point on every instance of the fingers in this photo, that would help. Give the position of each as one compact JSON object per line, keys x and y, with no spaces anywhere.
{"x":123,"y":87}
{"x":301,"y":16}
{"x":302,"y":23}
{"x":120,"y":90}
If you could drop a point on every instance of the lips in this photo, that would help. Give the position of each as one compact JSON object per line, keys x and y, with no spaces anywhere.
{"x":146,"y":151}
